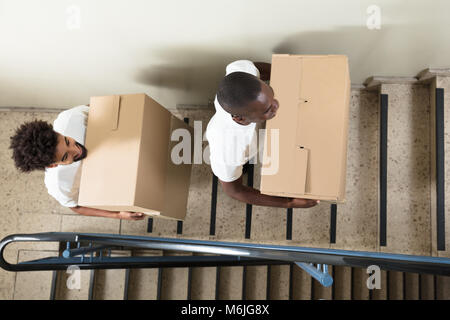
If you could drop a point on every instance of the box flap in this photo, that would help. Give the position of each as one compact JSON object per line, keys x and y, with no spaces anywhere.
{"x":286,"y":85}
{"x":109,"y":172}
{"x":320,"y":120}
{"x":152,"y":158}
{"x":298,"y":179}
{"x":115,"y":112}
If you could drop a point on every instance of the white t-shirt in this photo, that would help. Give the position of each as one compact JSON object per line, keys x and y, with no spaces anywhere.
{"x":63,"y":181}
{"x":231,"y":145}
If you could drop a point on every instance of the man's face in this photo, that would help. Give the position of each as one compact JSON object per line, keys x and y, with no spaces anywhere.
{"x":263,"y":108}
{"x":68,"y":151}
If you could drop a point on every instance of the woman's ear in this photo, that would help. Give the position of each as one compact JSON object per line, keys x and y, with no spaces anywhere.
{"x":52,"y":165}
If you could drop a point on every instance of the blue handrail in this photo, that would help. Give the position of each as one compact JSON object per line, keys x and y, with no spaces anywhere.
{"x":287,"y":254}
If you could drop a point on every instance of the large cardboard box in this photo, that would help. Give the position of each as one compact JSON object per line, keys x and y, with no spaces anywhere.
{"x":314,"y":96}
{"x":129,"y":166}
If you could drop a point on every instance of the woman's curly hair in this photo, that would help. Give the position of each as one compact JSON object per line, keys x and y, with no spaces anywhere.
{"x":34,"y":145}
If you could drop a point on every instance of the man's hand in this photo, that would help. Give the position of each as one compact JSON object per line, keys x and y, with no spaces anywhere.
{"x":238,"y":191}
{"x":126,"y":215}
{"x":302,"y":203}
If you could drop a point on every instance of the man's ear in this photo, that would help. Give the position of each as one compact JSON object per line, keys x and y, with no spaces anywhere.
{"x":239,"y":119}
{"x":52,"y":165}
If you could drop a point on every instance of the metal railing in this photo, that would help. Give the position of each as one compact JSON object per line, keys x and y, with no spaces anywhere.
{"x":86,"y":251}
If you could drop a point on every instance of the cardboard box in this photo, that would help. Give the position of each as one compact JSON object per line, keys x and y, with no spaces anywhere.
{"x":314,"y":96}
{"x":129,"y":167}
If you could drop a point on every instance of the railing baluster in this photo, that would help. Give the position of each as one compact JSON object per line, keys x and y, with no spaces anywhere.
{"x":53,"y":286}
{"x":317,"y":273}
{"x":127,"y":281}
{"x":91,"y":285}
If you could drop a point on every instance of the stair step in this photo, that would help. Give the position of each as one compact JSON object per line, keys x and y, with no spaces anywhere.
{"x":109,"y":284}
{"x":301,"y":284}
{"x":203,"y":282}
{"x":279,"y":282}
{"x":230,"y":283}
{"x":427,"y":290}
{"x":359,"y":283}
{"x":442,"y":288}
{"x":395,"y":285}
{"x":342,"y":283}
{"x":143,"y":283}
{"x":255,"y":281}
{"x":431,"y":73}
{"x":382,"y":293}
{"x":376,"y":81}
{"x":175,"y":281}
{"x":34,"y":285}
{"x":357,"y":218}
{"x":441,"y":82}
{"x":408,"y":166}
{"x":412,"y":286}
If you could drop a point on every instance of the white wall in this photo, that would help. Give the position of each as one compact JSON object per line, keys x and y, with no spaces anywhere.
{"x":176,"y":51}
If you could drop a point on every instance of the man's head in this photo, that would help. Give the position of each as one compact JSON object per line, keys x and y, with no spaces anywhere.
{"x":37,"y":146}
{"x":247,"y":98}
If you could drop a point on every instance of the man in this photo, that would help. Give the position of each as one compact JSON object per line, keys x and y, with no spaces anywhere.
{"x":243,"y":101}
{"x":58,"y":150}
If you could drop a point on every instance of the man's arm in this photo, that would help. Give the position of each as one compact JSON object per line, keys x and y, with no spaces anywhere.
{"x":264,"y":70}
{"x":238,"y":191}
{"x":85,"y":211}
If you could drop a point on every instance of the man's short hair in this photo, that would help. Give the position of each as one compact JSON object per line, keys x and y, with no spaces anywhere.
{"x":34,"y":145}
{"x":237,"y":90}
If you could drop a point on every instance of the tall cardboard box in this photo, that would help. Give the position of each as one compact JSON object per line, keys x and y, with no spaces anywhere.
{"x":314,"y":96}
{"x":129,"y":166}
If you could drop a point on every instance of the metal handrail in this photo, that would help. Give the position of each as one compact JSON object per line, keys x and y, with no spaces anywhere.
{"x":254,"y":252}
{"x":83,"y":257}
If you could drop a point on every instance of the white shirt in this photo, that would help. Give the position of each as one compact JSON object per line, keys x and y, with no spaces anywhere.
{"x":63,"y":181}
{"x":231,"y":145}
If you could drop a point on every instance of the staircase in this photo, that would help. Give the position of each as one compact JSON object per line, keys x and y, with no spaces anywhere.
{"x":248,"y":283}
{"x":396,"y":190}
